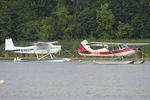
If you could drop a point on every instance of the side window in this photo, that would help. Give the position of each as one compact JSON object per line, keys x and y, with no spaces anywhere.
{"x":110,"y":48}
{"x":116,"y":47}
{"x":124,"y":46}
{"x":120,"y":46}
{"x":113,"y":48}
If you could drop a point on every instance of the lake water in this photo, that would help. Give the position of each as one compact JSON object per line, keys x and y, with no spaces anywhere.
{"x":74,"y":80}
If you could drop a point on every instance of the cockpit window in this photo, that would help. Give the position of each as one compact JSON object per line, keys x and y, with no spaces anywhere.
{"x":117,"y":47}
{"x":123,"y":46}
{"x":111,"y":48}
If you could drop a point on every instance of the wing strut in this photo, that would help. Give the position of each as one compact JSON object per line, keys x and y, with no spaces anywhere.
{"x":44,"y":56}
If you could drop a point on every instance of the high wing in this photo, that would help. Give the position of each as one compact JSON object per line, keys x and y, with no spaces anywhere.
{"x":102,"y":44}
{"x":46,"y":42}
{"x":137,"y":43}
{"x":44,"y":45}
{"x":113,"y":44}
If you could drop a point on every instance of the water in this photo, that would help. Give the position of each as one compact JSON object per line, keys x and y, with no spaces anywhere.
{"x":74,"y":80}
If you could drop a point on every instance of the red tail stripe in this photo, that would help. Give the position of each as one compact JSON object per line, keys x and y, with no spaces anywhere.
{"x":81,"y":48}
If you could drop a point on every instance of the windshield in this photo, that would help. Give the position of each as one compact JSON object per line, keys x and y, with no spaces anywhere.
{"x":123,"y":46}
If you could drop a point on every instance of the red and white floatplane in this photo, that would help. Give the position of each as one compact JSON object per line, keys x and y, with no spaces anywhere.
{"x":107,"y":49}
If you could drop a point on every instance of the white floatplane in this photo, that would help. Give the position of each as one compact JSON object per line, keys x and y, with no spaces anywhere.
{"x":38,"y":48}
{"x":108,"y":49}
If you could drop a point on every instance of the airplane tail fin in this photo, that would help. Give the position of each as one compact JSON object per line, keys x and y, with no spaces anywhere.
{"x":84,"y":46}
{"x":9,"y":45}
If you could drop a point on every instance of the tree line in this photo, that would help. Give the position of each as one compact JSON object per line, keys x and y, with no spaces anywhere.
{"x":45,"y":20}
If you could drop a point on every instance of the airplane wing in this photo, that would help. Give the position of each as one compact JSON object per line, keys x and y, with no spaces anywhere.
{"x":46,"y":42}
{"x":137,"y":43}
{"x":113,"y":44}
{"x":44,"y":45}
{"x":41,"y":45}
{"x":102,"y":44}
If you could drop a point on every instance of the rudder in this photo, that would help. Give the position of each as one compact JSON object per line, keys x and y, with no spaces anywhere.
{"x":9,"y":45}
{"x":84,"y":47}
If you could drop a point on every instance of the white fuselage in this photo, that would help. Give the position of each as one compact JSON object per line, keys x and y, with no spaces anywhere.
{"x":42,"y":49}
{"x":34,"y":49}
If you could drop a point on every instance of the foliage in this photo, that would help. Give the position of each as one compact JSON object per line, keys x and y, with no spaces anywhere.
{"x":68,"y":19}
{"x":105,"y":20}
{"x":87,"y":20}
{"x":124,"y":30}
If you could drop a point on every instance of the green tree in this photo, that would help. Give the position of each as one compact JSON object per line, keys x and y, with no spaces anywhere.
{"x":141,"y":21}
{"x":62,"y":19}
{"x":87,"y":19}
{"x":4,"y":20}
{"x":42,"y":29}
{"x":46,"y":29}
{"x":74,"y":30}
{"x":105,"y":20}
{"x":28,"y":30}
{"x":124,"y":30}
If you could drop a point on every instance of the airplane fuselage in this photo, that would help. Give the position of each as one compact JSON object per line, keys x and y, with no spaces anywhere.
{"x":121,"y":52}
{"x":112,"y":50}
{"x":34,"y":49}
